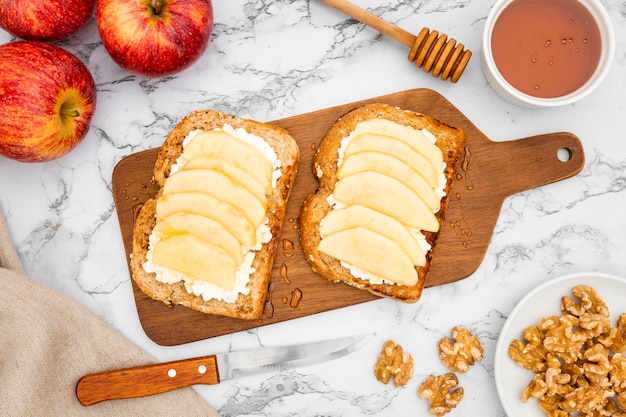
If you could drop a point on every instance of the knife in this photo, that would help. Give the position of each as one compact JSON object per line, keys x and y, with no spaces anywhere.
{"x":147,"y":380}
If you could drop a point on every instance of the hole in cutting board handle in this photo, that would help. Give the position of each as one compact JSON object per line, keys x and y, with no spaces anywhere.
{"x":564,"y":154}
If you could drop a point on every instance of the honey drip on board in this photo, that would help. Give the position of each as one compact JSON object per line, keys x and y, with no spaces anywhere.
{"x":268,"y":311}
{"x":462,"y":228}
{"x":288,"y":248}
{"x":296,"y":297}
{"x":283,"y":273}
{"x":466,"y":167}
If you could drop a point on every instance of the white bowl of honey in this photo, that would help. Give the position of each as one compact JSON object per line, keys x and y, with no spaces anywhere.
{"x":547,"y":53}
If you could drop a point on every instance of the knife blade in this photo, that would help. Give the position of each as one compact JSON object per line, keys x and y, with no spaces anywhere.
{"x":153,"y":379}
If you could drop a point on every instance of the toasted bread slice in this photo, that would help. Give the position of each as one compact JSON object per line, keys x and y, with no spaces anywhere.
{"x":449,"y":140}
{"x":251,"y":305}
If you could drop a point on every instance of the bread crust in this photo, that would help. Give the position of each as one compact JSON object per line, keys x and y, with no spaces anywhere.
{"x":250,"y":306}
{"x":315,"y":207}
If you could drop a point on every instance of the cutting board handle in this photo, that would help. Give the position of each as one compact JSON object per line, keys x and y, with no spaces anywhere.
{"x":535,"y":161}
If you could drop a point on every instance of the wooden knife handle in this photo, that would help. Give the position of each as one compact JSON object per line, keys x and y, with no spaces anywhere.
{"x":146,"y":380}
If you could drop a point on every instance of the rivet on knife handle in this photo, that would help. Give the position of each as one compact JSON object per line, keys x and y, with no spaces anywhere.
{"x":146,"y":380}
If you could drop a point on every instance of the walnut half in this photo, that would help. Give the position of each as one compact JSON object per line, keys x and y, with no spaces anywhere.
{"x":461,"y":354}
{"x":438,"y":390}
{"x":393,"y":361}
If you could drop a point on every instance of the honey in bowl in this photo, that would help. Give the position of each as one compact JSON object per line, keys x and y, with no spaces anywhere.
{"x":546,"y":48}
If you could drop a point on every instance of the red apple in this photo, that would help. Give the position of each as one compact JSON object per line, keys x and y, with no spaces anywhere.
{"x":153,"y":38}
{"x":44,"y":20}
{"x":47,"y":99}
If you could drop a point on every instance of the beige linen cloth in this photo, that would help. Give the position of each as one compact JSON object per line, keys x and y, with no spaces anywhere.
{"x":48,"y":341}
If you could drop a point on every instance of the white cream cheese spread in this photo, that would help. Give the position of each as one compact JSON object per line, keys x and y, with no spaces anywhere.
{"x":202,"y":288}
{"x":388,"y":131}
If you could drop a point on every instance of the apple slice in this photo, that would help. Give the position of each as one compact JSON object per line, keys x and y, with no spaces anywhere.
{"x":197,"y":259}
{"x":412,"y":137}
{"x":398,"y":149}
{"x":204,"y":204}
{"x":387,"y":195}
{"x":239,"y":175}
{"x":220,"y":186}
{"x":372,"y":253}
{"x":218,"y":143}
{"x":360,"y":216}
{"x":204,"y":228}
{"x":392,"y":166}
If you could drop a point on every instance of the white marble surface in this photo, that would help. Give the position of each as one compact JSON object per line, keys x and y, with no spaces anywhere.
{"x":273,"y":59}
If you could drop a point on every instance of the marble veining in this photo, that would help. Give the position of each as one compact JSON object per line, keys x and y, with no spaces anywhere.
{"x":273,"y":59}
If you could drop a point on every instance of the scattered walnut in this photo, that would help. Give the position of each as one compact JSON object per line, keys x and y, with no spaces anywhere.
{"x":612,"y":410}
{"x":594,"y":324}
{"x":461,"y":354}
{"x":550,"y":405}
{"x":618,"y":336}
{"x":621,"y":322}
{"x":565,"y":339}
{"x":614,"y":340}
{"x":437,"y":389}
{"x":590,"y":300}
{"x":548,"y":323}
{"x":621,"y":401}
{"x":587,"y":399}
{"x":617,"y":373}
{"x":532,"y":354}
{"x":392,"y":361}
{"x":537,"y":388}
{"x":573,"y":370}
{"x":558,"y":413}
{"x":596,"y":361}
{"x":577,"y":359}
{"x":569,"y":306}
{"x":554,"y":376}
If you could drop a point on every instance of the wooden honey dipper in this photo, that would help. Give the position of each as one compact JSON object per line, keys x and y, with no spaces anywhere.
{"x":434,"y":52}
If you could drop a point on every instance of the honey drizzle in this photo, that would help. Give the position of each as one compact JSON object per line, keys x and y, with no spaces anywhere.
{"x":462,"y":228}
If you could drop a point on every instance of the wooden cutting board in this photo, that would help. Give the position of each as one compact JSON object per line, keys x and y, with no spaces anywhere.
{"x":490,"y":172}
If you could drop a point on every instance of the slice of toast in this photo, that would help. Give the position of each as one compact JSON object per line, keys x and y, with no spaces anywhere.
{"x":250,"y":306}
{"x":449,"y":140}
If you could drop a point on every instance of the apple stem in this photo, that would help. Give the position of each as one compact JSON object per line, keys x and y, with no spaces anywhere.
{"x":69,"y":113}
{"x":157,"y":6}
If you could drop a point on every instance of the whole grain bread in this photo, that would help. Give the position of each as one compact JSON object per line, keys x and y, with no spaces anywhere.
{"x":248,"y":306}
{"x":315,"y":207}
